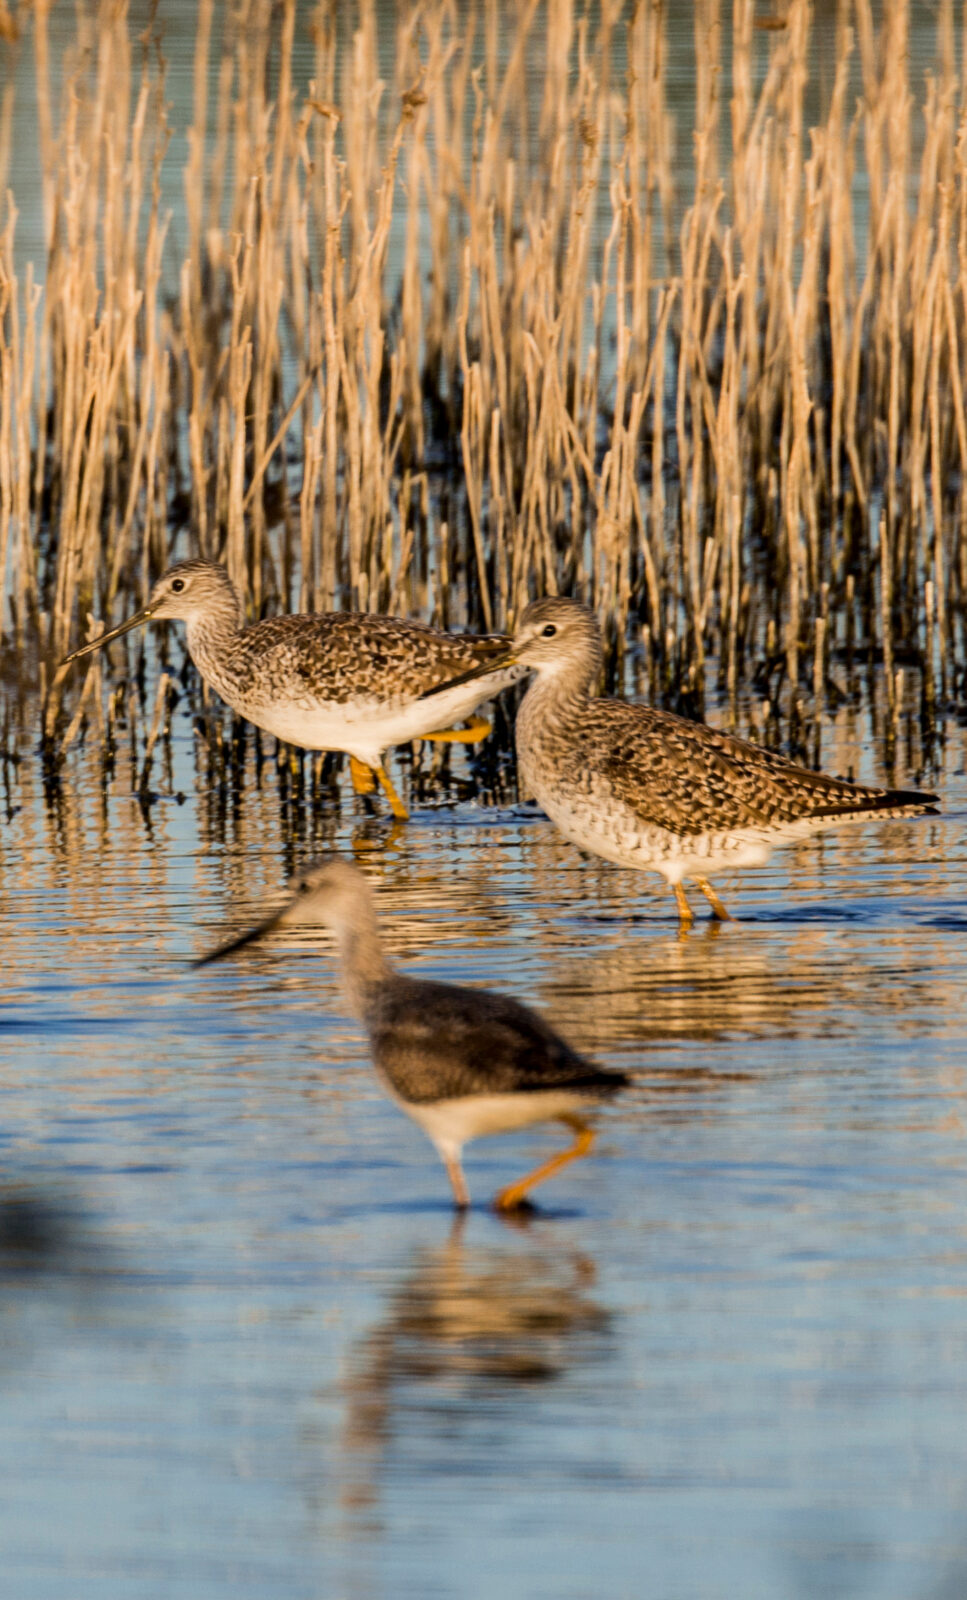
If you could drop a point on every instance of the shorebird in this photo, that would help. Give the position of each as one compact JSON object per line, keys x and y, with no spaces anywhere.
{"x":338,"y":681}
{"x":645,"y":788}
{"x":463,"y":1063}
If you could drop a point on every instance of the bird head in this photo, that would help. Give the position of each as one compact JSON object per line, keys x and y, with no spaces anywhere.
{"x":186,"y":592}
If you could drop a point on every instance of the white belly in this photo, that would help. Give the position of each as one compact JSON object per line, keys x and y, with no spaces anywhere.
{"x":451,"y":1123}
{"x":365,"y":730}
{"x":618,"y":835}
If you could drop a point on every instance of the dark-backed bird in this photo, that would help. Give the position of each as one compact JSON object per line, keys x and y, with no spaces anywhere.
{"x":463,"y":1063}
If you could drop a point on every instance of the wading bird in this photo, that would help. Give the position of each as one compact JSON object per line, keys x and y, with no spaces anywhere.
{"x":463,"y":1063}
{"x":645,"y":788}
{"x":347,"y":681}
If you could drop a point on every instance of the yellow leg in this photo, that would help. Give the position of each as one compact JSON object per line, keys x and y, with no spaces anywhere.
{"x":461,"y":1197}
{"x":510,"y":1198}
{"x":718,"y":910}
{"x":395,"y":803}
{"x":363,"y":777}
{"x":477,"y":728}
{"x":685,"y":917}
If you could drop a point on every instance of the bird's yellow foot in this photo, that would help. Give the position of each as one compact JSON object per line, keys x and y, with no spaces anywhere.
{"x":395,"y":803}
{"x":477,"y":728}
{"x":363,"y":777}
{"x":718,"y":910}
{"x":515,"y":1195}
{"x":685,"y":915}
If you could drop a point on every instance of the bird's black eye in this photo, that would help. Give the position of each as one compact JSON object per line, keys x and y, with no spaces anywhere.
{"x":177,"y":584}
{"x":549,"y":631}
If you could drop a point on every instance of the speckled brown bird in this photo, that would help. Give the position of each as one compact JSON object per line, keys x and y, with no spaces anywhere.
{"x":645,"y":788}
{"x":346,"y":681}
{"x":463,"y":1063}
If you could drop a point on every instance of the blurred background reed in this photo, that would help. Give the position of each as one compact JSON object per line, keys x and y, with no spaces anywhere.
{"x":462,"y":319}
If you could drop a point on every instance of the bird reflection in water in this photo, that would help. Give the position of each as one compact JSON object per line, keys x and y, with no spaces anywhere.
{"x":467,"y":1325}
{"x":806,"y":981}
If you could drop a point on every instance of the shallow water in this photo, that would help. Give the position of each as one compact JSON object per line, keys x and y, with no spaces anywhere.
{"x":728,"y":1357}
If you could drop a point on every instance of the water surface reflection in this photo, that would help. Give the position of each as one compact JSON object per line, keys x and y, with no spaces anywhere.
{"x":745,"y":1312}
{"x":465,"y":1335}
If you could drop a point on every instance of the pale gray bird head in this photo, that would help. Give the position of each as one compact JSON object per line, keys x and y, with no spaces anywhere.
{"x":185,"y":593}
{"x":326,"y":894}
{"x":555,"y":636}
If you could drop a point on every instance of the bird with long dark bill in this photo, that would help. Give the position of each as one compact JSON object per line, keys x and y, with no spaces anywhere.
{"x":463,"y":1063}
{"x":645,"y":788}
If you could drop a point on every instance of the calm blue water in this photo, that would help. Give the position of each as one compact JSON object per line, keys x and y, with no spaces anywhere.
{"x":728,"y":1358}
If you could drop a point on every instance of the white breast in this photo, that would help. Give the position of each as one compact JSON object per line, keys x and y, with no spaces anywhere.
{"x":610,"y":829}
{"x":451,"y":1123}
{"x":365,"y":729}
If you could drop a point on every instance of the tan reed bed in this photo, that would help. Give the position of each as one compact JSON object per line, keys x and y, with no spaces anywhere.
{"x":488,"y":324}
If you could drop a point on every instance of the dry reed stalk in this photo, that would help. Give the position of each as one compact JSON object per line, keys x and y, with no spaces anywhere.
{"x":194,"y":169}
{"x":6,"y":125}
{"x":886,"y":611}
{"x":836,"y":146}
{"x":937,"y":564}
{"x":90,"y":694}
{"x":8,"y":368}
{"x":728,"y":480}
{"x":819,"y":680}
{"x":463,"y":264}
{"x":930,"y":643}
{"x":157,"y":722}
{"x":44,"y":115}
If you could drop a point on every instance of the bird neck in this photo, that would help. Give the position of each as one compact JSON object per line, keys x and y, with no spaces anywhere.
{"x":364,"y":965}
{"x":567,"y":685}
{"x":213,"y":632}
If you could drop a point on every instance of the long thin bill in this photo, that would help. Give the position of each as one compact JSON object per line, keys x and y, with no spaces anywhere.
{"x":241,"y":939}
{"x":105,"y":638}
{"x":483,"y":671}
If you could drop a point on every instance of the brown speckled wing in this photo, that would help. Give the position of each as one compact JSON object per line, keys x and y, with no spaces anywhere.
{"x":340,"y":656}
{"x":692,"y":779}
{"x":670,"y":778}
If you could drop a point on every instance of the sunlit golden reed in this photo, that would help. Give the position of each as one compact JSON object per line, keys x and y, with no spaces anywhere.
{"x":491,"y":330}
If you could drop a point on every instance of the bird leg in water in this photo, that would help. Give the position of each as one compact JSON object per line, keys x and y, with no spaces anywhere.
{"x":395,"y":803}
{"x":461,"y":1194}
{"x":477,"y":728}
{"x":685,"y":915}
{"x":718,"y":910}
{"x":363,"y":777}
{"x":510,"y":1198}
